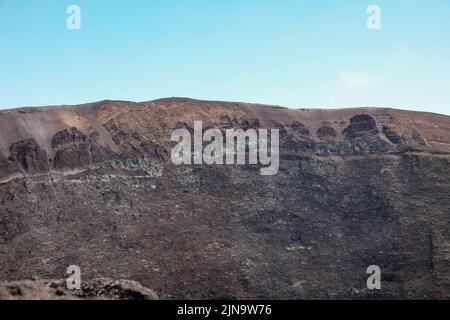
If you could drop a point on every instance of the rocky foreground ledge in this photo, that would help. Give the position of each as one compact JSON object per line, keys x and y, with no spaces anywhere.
{"x":97,"y":289}
{"x":93,"y":186}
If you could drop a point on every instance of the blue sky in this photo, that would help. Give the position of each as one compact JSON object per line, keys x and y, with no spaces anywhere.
{"x":288,"y":52}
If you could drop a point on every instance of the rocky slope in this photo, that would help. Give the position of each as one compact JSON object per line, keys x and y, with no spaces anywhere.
{"x":93,"y":185}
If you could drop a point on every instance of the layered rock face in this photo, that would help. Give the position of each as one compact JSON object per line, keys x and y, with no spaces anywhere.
{"x":94,"y":186}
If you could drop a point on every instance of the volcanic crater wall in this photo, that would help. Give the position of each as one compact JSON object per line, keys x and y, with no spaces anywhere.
{"x":93,"y":185}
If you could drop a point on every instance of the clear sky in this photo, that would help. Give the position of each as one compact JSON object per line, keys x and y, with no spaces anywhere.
{"x":286,"y":52}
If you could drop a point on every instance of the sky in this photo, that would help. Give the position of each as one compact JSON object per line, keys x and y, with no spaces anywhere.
{"x":291,"y":53}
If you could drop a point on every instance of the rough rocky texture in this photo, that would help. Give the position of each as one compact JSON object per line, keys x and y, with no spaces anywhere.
{"x":93,"y":185}
{"x":361,"y":125}
{"x":28,"y":155}
{"x":97,"y":289}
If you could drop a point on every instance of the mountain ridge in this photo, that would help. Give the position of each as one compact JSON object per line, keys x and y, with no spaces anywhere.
{"x":99,"y":122}
{"x":176,"y":98}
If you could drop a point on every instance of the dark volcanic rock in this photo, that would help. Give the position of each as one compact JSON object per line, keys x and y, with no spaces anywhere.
{"x":326,"y":132}
{"x":72,"y":157}
{"x":361,"y":125}
{"x":30,"y":156}
{"x":300,"y":128}
{"x":250,"y":124}
{"x":75,"y":150}
{"x":68,"y":136}
{"x":392,"y":135}
{"x":227,"y":123}
{"x":8,"y":167}
{"x":112,"y":202}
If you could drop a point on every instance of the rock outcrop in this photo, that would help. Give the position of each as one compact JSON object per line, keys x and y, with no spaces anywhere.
{"x":28,"y":154}
{"x":97,"y":289}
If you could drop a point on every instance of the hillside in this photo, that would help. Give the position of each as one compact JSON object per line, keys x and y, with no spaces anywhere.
{"x":93,"y":185}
